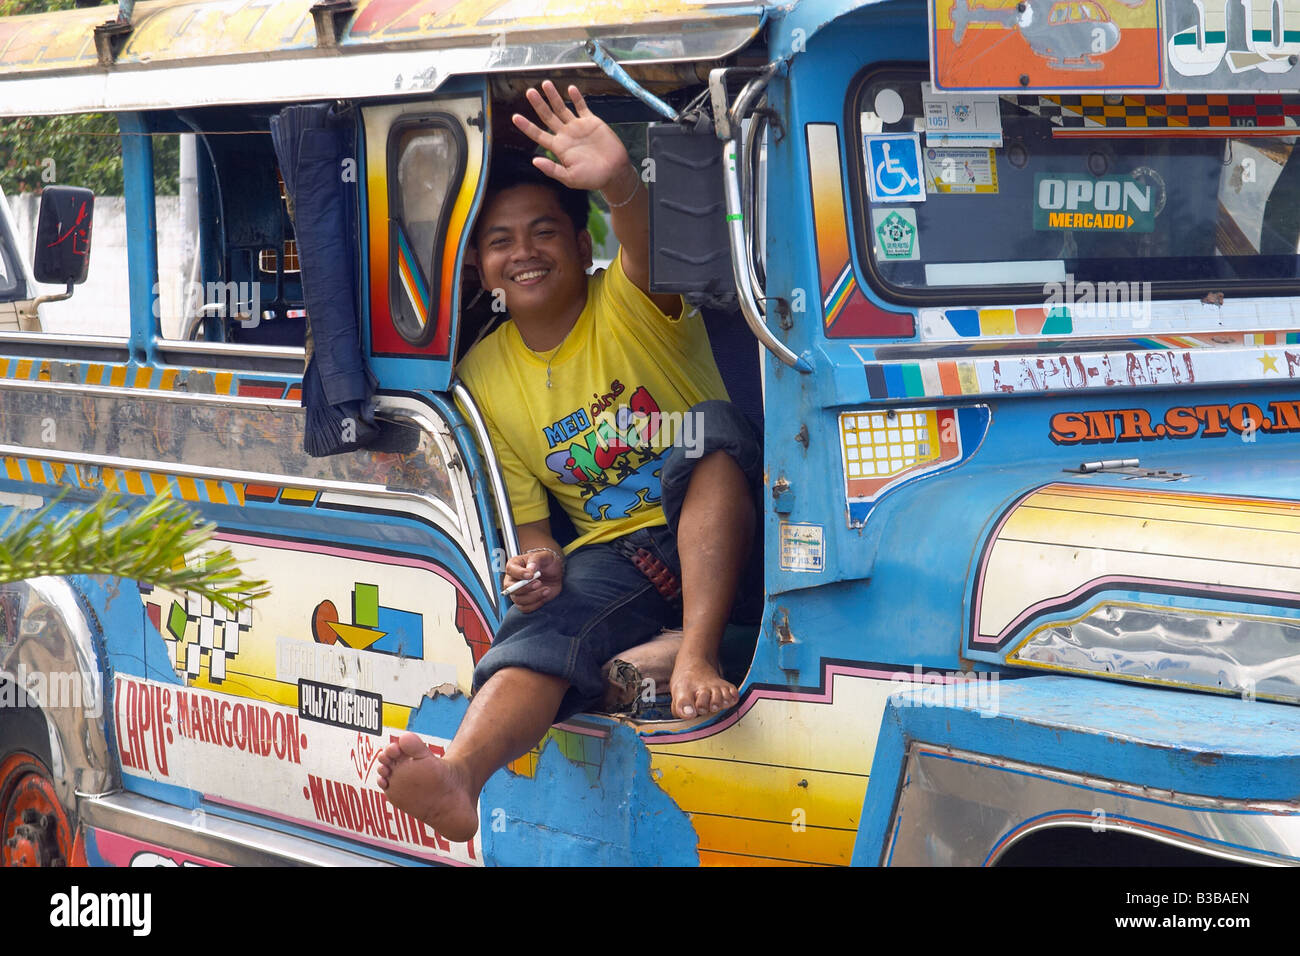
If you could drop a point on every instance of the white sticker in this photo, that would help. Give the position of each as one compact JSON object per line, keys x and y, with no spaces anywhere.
{"x":803,"y":547}
{"x":961,"y":170}
{"x":961,"y":119}
{"x":895,"y":235}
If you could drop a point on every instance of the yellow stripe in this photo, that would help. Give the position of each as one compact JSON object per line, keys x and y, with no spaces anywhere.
{"x":24,"y":368}
{"x":189,"y":491}
{"x":35,"y":471}
{"x":773,"y":793}
{"x":117,"y":377}
{"x":239,"y":492}
{"x":298,"y":494}
{"x":997,"y":322}
{"x":970,"y":383}
{"x":13,"y":470}
{"x":43,"y":373}
{"x":223,"y":381}
{"x":142,"y":378}
{"x":160,"y":484}
{"x":93,"y":374}
{"x":134,"y":482}
{"x":1201,"y":513}
{"x":715,"y":858}
{"x":781,"y":841}
{"x":168,"y":379}
{"x":1264,"y":505}
{"x":110,"y":480}
{"x":215,"y":492}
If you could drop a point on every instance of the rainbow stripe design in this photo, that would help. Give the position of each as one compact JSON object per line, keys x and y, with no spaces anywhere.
{"x":846,"y":312}
{"x":412,"y":279}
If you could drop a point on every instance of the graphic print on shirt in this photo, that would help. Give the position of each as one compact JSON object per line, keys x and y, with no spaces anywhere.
{"x":613,"y":452}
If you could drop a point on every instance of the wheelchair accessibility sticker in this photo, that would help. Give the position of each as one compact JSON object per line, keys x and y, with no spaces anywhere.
{"x":894,"y":171}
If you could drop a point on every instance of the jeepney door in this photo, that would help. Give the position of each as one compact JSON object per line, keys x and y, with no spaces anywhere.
{"x":424,"y":163}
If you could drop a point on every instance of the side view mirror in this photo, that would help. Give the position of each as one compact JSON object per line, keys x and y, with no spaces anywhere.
{"x":63,"y":235}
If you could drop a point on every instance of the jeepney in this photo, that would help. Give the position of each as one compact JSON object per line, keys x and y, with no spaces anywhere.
{"x":1011,"y":286}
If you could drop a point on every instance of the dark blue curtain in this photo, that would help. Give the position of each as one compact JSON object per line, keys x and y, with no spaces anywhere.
{"x":312,"y":144}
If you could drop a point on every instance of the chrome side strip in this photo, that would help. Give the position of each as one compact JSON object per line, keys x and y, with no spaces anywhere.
{"x":232,"y":349}
{"x":221,"y":474}
{"x":206,"y":835}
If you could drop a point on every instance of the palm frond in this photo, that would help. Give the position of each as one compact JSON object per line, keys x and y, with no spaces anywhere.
{"x":148,"y":545}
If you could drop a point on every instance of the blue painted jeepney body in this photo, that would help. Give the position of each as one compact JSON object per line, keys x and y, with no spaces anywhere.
{"x":1006,"y":628}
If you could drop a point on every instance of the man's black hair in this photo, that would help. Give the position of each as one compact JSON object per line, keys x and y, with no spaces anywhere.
{"x":514,"y":167}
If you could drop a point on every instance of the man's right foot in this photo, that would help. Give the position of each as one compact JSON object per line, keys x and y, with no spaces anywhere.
{"x":429,"y":788}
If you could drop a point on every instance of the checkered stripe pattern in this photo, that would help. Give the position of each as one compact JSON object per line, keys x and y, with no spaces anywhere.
{"x":218,"y":636}
{"x":1168,"y":111}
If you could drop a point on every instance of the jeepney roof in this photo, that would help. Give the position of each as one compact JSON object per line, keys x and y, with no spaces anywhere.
{"x":182,"y":52}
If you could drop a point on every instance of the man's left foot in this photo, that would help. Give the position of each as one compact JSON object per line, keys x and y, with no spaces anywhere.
{"x":699,"y":690}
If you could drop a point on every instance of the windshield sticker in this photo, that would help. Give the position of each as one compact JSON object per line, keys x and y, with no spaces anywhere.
{"x":894,"y":167}
{"x":1254,"y":49}
{"x":895,"y":234}
{"x":1104,"y":203}
{"x":1045,"y":44}
{"x":961,"y":170}
{"x":961,"y":120}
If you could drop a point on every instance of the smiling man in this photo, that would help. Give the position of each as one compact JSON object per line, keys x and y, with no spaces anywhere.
{"x":585,"y":391}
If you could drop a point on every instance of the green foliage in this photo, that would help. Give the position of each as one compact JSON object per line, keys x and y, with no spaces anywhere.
{"x":148,"y":545}
{"x":82,"y":150}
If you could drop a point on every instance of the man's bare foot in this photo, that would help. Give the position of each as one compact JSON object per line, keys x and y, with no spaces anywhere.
{"x":430,"y":788}
{"x":698,"y":688}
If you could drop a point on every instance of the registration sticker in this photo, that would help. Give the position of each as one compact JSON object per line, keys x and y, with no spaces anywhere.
{"x":803,"y":547}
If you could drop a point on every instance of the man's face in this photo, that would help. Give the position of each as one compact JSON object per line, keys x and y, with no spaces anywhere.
{"x":527,"y":246}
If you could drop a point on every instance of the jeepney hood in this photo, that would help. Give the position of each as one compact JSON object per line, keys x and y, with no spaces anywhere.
{"x":1184,"y":576}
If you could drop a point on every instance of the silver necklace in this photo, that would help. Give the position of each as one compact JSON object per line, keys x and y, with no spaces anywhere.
{"x":549,"y":358}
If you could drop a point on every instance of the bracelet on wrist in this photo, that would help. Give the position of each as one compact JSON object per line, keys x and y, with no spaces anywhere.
{"x":559,"y":557}
{"x":636,"y":186}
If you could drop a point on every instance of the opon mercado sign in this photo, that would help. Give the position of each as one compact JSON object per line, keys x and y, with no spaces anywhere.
{"x":1100,"y":203}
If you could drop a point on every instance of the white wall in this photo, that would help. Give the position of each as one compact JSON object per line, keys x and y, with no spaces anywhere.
{"x":101,"y":304}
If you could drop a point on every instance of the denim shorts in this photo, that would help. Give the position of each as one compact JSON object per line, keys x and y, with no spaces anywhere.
{"x":606,"y":605}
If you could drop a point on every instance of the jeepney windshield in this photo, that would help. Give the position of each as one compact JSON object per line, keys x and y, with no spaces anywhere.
{"x":1027,"y":189}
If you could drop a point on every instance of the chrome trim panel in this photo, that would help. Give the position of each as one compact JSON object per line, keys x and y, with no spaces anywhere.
{"x":199,"y":436}
{"x":210,"y":836}
{"x":1233,"y":653}
{"x":957,"y":808}
{"x":55,"y":659}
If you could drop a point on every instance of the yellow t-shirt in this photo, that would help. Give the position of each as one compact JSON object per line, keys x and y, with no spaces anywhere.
{"x":598,"y":437}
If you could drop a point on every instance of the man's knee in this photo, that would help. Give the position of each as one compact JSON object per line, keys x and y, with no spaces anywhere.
{"x":715,"y":428}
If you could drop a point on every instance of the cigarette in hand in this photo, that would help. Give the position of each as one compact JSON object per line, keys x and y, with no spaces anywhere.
{"x":518,"y":584}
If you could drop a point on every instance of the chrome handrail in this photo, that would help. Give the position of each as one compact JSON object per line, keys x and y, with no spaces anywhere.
{"x":741,"y":267}
{"x":499,"y":493}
